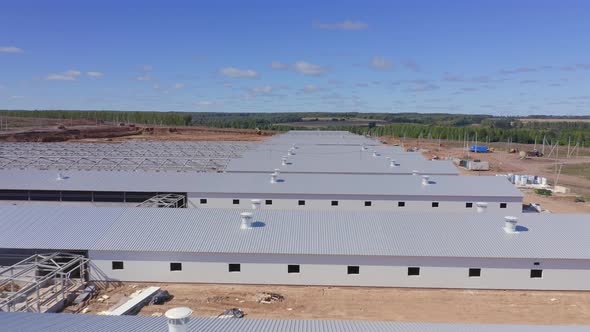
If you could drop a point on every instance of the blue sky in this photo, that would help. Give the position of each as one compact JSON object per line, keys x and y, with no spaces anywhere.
{"x":495,"y":57}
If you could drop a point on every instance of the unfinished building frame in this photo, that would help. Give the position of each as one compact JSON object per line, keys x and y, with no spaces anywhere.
{"x":40,"y":282}
{"x":126,"y":156}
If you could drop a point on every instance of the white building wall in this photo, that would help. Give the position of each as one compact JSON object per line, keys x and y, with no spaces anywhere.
{"x":332,"y":270}
{"x":410,"y":204}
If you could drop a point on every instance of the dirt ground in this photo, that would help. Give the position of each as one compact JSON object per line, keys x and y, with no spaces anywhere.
{"x":88,"y":130}
{"x":502,"y":162}
{"x":369,"y":303}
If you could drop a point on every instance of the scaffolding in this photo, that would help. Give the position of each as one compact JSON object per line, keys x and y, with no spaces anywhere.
{"x":165,"y":201}
{"x":41,"y":282}
{"x":125,"y":156}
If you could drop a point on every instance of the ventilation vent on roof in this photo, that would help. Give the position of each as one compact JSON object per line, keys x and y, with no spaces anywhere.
{"x":510,"y":224}
{"x":255,"y":204}
{"x":392,"y":163}
{"x":481,"y":207}
{"x":178,"y":319}
{"x":277,"y":171}
{"x":291,"y":152}
{"x":375,"y":154}
{"x":246,"y":220}
{"x":60,"y":177}
{"x":425,"y":180}
{"x":273,"y":178}
{"x":415,"y":172}
{"x":284,"y":161}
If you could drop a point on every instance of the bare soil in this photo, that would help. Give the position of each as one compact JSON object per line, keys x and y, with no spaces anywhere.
{"x":371,"y":303}
{"x":89,"y":130}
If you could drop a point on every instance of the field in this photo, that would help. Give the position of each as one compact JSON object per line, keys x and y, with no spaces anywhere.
{"x":58,"y":130}
{"x":579,"y":170}
{"x":371,"y":303}
{"x":312,"y":123}
{"x":554,"y":120}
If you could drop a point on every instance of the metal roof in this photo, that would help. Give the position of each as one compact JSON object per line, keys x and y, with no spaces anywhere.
{"x":131,"y":156}
{"x":349,"y":233}
{"x":442,"y":186}
{"x":33,"y":322}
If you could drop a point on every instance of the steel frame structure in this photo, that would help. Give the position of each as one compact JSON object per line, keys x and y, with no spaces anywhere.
{"x":125,"y":156}
{"x":40,"y":281}
{"x":165,"y":201}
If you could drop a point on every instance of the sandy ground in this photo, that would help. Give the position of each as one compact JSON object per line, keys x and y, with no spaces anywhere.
{"x":367,"y":303}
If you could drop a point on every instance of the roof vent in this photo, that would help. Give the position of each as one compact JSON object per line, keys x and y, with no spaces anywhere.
{"x":273,"y":178}
{"x":425,"y":180}
{"x":178,"y":319}
{"x":375,"y":154}
{"x":363,"y":148}
{"x":415,"y":172}
{"x":510,"y":224}
{"x":60,"y":177}
{"x":294,"y":146}
{"x":256,"y":203}
{"x":284,"y":161}
{"x":246,"y":220}
{"x":481,"y":207}
{"x":291,"y":152}
{"x":277,"y":171}
{"x":392,"y":163}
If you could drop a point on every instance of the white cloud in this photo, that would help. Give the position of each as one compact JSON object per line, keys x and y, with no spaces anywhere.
{"x":310,"y":88}
{"x":235,"y":72}
{"x":178,"y":86}
{"x":345,"y":25}
{"x":308,"y":68}
{"x":278,"y":65}
{"x":207,"y":103}
{"x":17,"y":97}
{"x":381,"y":63}
{"x":262,"y":89}
{"x":147,"y":68}
{"x":10,"y":49}
{"x":69,"y":75}
{"x":94,"y":74}
{"x":145,"y":77}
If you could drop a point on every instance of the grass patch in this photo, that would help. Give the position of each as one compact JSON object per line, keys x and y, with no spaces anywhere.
{"x":581,"y":170}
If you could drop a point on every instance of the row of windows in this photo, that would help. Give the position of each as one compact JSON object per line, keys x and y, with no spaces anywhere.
{"x":367,"y":203}
{"x":350,"y":269}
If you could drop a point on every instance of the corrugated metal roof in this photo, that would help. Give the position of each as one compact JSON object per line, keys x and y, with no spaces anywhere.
{"x":243,"y":183}
{"x":33,"y":322}
{"x":355,"y":233}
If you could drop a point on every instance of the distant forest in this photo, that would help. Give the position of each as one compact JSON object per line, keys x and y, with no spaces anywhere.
{"x":411,"y":125}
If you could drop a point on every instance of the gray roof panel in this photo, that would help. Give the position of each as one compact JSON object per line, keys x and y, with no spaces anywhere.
{"x":33,"y":322}
{"x":299,"y":232}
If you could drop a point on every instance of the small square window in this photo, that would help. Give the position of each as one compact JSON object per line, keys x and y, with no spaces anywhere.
{"x":401,"y":204}
{"x":334,"y":203}
{"x":434,"y":204}
{"x":234,"y":267}
{"x":236,"y":201}
{"x":474,"y":273}
{"x":353,"y":269}
{"x":117,"y":265}
{"x":301,"y":202}
{"x":503,"y":205}
{"x":368,"y":203}
{"x":268,"y":202}
{"x":203,"y":201}
{"x":293,"y":269}
{"x":413,"y":271}
{"x":175,"y":266}
{"x":536,"y":274}
{"x":469,"y":205}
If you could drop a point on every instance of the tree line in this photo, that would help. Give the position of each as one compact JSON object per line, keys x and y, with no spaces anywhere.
{"x":154,"y":118}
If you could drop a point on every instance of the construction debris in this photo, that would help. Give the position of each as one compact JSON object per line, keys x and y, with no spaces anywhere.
{"x":268,"y":298}
{"x":232,"y":313}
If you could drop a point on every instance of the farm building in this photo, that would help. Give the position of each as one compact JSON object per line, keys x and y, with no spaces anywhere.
{"x":291,"y":191}
{"x":289,"y":247}
{"x":31,"y":322}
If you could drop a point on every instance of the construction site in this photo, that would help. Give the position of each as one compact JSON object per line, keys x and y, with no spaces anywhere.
{"x":221,"y":185}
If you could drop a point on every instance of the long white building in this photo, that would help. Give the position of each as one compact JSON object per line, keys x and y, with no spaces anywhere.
{"x":290,"y":247}
{"x":439,"y":193}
